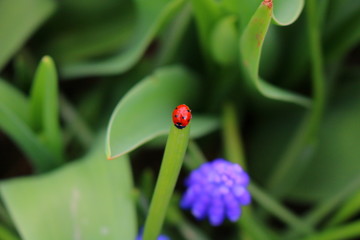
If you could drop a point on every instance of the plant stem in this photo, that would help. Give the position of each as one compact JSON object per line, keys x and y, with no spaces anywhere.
{"x":233,"y":144}
{"x":173,"y":157}
{"x":349,"y":209}
{"x":324,"y":208}
{"x":234,"y":151}
{"x":278,"y":210}
{"x":351,"y":230}
{"x":296,"y":158}
{"x":75,"y":123}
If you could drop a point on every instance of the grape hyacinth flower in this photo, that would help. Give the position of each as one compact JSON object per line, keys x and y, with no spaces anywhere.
{"x":217,"y":190}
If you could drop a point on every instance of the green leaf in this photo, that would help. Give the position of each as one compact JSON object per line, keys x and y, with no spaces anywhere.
{"x":224,"y":41}
{"x":88,"y":199}
{"x":337,"y":45}
{"x":91,"y":30}
{"x":171,"y":163}
{"x":206,"y":12}
{"x":200,"y":126}
{"x":14,"y":122}
{"x":44,"y":106}
{"x":250,"y":49}
{"x":152,"y":16}
{"x":18,"y":20}
{"x":278,"y":210}
{"x":287,"y":11}
{"x":350,"y":209}
{"x":337,"y":158}
{"x":348,"y":231}
{"x":14,"y":100}
{"x":244,"y":9}
{"x":145,"y":111}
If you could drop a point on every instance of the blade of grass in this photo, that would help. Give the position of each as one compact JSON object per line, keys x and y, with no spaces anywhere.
{"x":348,"y":210}
{"x":171,"y":164}
{"x":77,"y":125}
{"x":349,"y":231}
{"x":329,"y":204}
{"x":278,"y":210}
{"x":44,"y":107}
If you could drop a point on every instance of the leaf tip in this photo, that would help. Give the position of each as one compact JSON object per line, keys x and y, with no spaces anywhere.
{"x":268,"y":3}
{"x":47,"y":59}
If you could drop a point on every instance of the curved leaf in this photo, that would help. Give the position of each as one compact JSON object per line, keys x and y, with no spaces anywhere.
{"x":145,"y":111}
{"x":250,"y":49}
{"x":287,"y":11}
{"x":44,"y":106}
{"x":338,"y":154}
{"x":14,"y":100}
{"x":152,"y":16}
{"x":88,"y":199}
{"x":18,"y":20}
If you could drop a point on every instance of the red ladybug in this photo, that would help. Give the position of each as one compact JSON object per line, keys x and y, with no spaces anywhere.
{"x":181,"y":116}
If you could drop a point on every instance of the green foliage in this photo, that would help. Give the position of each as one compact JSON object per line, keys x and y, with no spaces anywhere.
{"x":34,"y":123}
{"x":143,"y":113}
{"x":281,"y":101}
{"x":90,"y":198}
{"x":44,"y":106}
{"x":250,"y":49}
{"x":287,"y":11}
{"x":27,"y":16}
{"x":152,"y":16}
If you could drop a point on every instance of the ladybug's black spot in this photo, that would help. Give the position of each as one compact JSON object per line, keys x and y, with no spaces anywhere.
{"x":183,"y":117}
{"x":179,"y":125}
{"x":188,"y":110}
{"x":176,"y":116}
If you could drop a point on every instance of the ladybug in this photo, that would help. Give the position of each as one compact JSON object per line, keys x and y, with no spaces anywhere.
{"x":181,"y":116}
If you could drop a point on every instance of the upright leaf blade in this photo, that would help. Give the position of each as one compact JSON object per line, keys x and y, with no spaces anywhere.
{"x":152,"y":16}
{"x":250,"y":49}
{"x":88,"y":199}
{"x":145,"y":111}
{"x":18,"y":20}
{"x":44,"y":106}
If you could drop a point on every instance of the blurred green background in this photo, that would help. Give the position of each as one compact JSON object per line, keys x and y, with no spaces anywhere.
{"x":274,"y":85}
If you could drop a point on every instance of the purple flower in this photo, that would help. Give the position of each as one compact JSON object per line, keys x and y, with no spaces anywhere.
{"x":217,"y":190}
{"x":161,"y":237}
